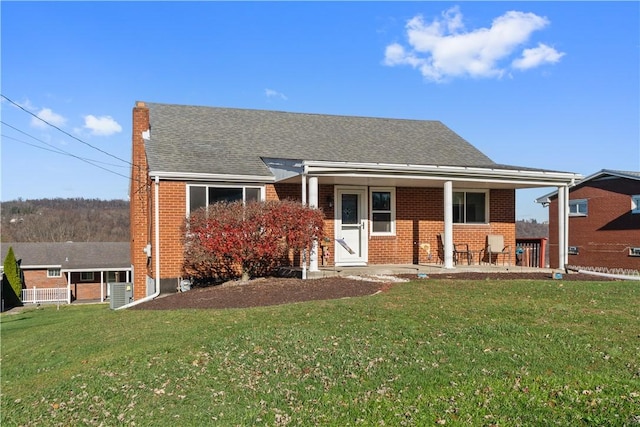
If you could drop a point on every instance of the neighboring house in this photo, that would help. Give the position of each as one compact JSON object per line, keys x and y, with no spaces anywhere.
{"x":604,"y":221}
{"x":387,"y":187}
{"x":86,"y":267}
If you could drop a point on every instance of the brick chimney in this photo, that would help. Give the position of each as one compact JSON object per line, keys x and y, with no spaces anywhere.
{"x":140,"y":203}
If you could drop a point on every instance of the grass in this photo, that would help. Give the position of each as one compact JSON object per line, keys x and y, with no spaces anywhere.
{"x":426,"y":353}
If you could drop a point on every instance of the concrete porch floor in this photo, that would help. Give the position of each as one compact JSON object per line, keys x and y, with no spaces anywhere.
{"x":395,"y":269}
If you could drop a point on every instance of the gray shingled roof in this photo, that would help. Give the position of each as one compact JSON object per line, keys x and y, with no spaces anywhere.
{"x":211,"y":140}
{"x":72,"y":255}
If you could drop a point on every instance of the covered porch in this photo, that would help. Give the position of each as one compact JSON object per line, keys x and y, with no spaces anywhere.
{"x":352,"y":187}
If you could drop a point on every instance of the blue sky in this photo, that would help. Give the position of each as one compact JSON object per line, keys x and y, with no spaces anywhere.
{"x":553,"y":85}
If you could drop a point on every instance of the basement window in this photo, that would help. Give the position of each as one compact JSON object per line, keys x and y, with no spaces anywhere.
{"x":635,"y":204}
{"x":634,"y":251}
{"x":578,"y":207}
{"x":573,"y":250}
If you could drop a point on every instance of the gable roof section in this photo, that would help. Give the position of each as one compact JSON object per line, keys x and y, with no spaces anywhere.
{"x":71,"y":255}
{"x":633,"y":175}
{"x":227,"y":141}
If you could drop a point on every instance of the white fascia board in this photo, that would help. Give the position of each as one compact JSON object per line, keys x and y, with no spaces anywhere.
{"x":192,"y":176}
{"x":40,"y":267}
{"x":546,"y":178}
{"x":95,"y":269}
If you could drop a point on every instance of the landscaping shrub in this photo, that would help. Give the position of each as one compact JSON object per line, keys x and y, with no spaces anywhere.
{"x":228,"y":240}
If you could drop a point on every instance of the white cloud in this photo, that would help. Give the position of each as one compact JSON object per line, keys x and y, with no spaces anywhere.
{"x":537,"y":56}
{"x":443,"y":49}
{"x":101,"y":126}
{"x":50,"y":117}
{"x":270,"y":93}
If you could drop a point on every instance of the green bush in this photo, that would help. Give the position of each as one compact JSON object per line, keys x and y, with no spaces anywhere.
{"x":12,"y":272}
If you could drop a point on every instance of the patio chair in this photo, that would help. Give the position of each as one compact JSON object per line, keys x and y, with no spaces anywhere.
{"x":495,"y":246}
{"x":460,"y":252}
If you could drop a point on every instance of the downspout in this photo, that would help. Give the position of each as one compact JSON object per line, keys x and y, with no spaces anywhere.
{"x":156,"y":208}
{"x":562,"y":227}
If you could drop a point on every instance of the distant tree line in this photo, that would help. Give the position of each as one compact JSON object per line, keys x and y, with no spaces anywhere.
{"x":62,"y":220}
{"x":531,"y":228}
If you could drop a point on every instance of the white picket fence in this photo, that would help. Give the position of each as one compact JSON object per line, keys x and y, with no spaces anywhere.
{"x":44,"y":295}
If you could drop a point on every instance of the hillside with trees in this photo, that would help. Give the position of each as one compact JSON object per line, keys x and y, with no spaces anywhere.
{"x":62,"y":220}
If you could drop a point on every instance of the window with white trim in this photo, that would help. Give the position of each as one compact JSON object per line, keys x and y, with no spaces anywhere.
{"x":86,"y":276}
{"x":470,"y":207}
{"x":635,"y":204}
{"x":54,"y":272}
{"x":205,"y":195}
{"x":578,"y":207}
{"x":383,"y":211}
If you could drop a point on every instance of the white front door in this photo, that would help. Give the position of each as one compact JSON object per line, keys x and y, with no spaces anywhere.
{"x":351,"y":226}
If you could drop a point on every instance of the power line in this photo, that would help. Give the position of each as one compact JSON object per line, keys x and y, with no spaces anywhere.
{"x":65,"y":132}
{"x":56,"y":149}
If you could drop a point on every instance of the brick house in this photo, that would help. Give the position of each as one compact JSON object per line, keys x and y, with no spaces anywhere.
{"x":386,"y":186}
{"x":604,"y":221}
{"x":84,"y":267}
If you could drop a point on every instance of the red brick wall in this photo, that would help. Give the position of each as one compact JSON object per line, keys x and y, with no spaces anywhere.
{"x":604,"y":236}
{"x":39,"y":279}
{"x":419,"y":219}
{"x":173,"y":211}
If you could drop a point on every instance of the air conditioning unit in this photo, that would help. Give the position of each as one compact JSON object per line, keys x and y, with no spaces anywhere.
{"x":121,"y":294}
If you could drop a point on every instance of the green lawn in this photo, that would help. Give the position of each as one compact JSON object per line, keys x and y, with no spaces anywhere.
{"x":428,"y":352}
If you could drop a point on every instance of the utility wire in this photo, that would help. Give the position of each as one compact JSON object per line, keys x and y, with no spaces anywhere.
{"x":65,"y":132}
{"x":56,"y":149}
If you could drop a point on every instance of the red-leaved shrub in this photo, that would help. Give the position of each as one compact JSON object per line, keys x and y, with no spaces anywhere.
{"x":228,"y":240}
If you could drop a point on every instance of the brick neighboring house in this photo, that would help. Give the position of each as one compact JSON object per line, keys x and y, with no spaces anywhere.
{"x":604,"y":221}
{"x":86,"y":267}
{"x":387,"y":186}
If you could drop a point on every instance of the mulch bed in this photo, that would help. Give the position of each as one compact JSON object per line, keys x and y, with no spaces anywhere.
{"x":276,"y":290}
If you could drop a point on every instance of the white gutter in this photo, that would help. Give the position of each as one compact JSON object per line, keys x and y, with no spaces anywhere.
{"x":156,"y":207}
{"x":40,"y":267}
{"x":194,"y":176}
